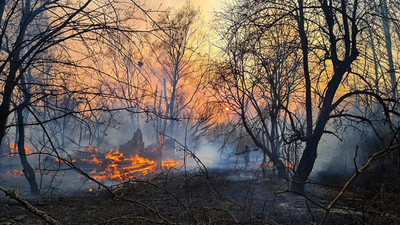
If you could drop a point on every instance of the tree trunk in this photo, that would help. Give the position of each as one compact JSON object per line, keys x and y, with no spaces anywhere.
{"x":305,"y":166}
{"x":388,"y":44}
{"x":27,"y":168}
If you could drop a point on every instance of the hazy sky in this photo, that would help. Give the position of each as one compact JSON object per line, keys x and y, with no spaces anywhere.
{"x":206,"y":6}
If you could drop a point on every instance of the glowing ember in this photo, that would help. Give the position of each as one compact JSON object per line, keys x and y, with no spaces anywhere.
{"x":90,"y":189}
{"x":59,"y":160}
{"x":91,"y":149}
{"x":93,"y":160}
{"x":15,"y":172}
{"x":287,"y":165}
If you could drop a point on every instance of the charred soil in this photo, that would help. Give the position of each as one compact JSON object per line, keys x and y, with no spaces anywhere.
{"x":215,"y":197}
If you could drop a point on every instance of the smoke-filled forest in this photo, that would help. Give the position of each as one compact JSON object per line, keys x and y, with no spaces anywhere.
{"x":199,"y":112}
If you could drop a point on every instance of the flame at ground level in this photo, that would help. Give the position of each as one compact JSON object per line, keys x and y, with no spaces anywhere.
{"x":19,"y":172}
{"x":15,"y":172}
{"x":114,"y":165}
{"x":287,"y":165}
{"x":14,"y":149}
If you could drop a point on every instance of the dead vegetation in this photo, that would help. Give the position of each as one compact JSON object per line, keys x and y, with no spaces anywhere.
{"x":177,"y":197}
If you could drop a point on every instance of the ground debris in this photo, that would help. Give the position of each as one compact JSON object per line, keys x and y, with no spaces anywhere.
{"x":194,"y":198}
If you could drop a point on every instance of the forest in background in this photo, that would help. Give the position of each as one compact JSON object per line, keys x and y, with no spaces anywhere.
{"x":104,"y":93}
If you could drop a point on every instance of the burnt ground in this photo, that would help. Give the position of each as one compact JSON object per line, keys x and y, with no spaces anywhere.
{"x":222,"y":197}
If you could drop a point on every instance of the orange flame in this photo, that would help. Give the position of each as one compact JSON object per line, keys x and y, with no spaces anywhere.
{"x":120,"y":167}
{"x":14,"y":149}
{"x":93,"y":160}
{"x":91,"y":149}
{"x":170,"y":163}
{"x":59,"y":160}
{"x":114,"y":165}
{"x":287,"y":165}
{"x":115,"y":156}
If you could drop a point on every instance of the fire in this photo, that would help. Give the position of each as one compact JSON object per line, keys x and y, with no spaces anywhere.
{"x":122,"y":168}
{"x":90,"y":189}
{"x":93,"y":160}
{"x":289,"y":165}
{"x":115,"y":156}
{"x":14,"y":149}
{"x":286,"y":164}
{"x":15,"y":172}
{"x":91,"y":149}
{"x":114,"y":165}
{"x":170,"y":163}
{"x":59,"y":160}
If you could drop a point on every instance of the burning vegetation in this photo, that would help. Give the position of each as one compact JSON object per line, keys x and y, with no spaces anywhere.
{"x":115,"y":165}
{"x":14,"y":150}
{"x":290,"y":96}
{"x":132,"y":161}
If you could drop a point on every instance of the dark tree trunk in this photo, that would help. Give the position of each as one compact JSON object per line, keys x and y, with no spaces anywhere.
{"x":340,"y":67}
{"x":27,"y":168}
{"x":305,"y":166}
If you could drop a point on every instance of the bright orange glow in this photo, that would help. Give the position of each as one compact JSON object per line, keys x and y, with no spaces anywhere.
{"x":14,"y":149}
{"x":90,"y":189}
{"x":115,"y":156}
{"x":116,"y":166}
{"x":287,"y":165}
{"x":93,"y":160}
{"x":170,"y":163}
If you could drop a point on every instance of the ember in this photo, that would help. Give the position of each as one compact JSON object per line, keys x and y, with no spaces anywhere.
{"x":91,"y":149}
{"x":286,"y":164}
{"x":15,"y":172}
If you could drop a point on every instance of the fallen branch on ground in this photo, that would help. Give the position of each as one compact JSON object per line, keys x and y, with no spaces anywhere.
{"x":29,"y":207}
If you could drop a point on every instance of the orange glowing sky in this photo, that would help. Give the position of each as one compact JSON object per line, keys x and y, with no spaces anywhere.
{"x":206,"y":6}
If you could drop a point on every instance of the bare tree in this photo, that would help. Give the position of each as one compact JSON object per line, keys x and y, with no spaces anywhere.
{"x":331,"y":40}
{"x":38,"y":32}
{"x":259,"y":77}
{"x":177,"y":52}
